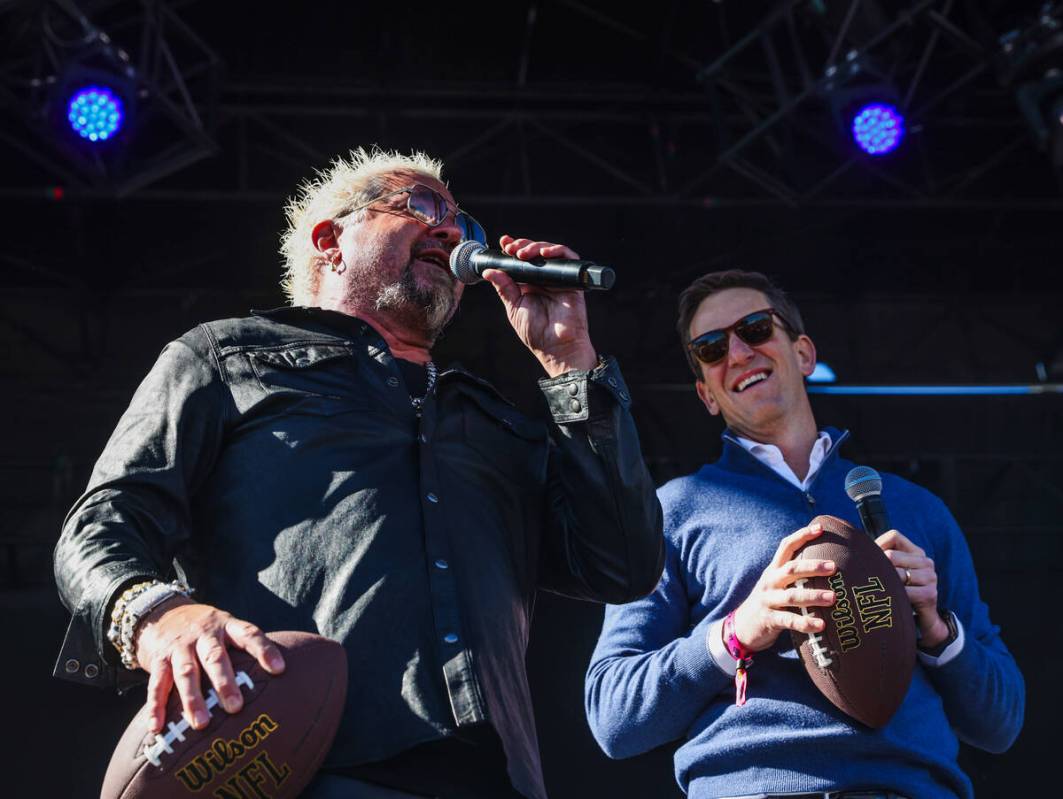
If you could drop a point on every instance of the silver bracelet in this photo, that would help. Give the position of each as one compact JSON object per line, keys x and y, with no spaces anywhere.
{"x":136,"y":608}
{"x":114,"y":632}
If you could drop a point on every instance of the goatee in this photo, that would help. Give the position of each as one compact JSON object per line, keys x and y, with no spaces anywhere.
{"x":430,"y":306}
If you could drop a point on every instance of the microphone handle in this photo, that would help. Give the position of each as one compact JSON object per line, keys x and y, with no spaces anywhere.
{"x":873,"y":515}
{"x":876,"y":521}
{"x":553,"y":272}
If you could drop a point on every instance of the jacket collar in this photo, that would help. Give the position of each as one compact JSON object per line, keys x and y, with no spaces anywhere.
{"x":337,"y":322}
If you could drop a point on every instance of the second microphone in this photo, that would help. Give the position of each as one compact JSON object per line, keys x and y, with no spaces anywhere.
{"x":470,"y":258}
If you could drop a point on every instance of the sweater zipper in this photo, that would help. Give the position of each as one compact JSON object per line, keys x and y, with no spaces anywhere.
{"x":806,"y":492}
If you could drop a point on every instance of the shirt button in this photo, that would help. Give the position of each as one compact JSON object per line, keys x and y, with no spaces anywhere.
{"x":442,"y":564}
{"x":450,"y":638}
{"x":393,"y":381}
{"x":71,"y":666}
{"x":423,"y":438}
{"x":612,"y":382}
{"x":575,"y":406}
{"x":811,"y":499}
{"x":432,"y":497}
{"x":573,"y":389}
{"x":303,"y":361}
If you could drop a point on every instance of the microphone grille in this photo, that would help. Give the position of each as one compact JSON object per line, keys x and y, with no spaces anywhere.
{"x":862,"y":481}
{"x":461,"y":261}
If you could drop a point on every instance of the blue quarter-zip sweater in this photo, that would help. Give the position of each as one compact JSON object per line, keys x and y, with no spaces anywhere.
{"x":652,"y":679}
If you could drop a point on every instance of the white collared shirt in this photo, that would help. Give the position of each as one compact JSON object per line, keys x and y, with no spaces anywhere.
{"x":771,"y":456}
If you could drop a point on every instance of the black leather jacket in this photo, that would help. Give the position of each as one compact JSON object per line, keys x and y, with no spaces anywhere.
{"x":277,"y":463}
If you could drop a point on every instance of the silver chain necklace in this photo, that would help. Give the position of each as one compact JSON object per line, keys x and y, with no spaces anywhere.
{"x":417,"y":402}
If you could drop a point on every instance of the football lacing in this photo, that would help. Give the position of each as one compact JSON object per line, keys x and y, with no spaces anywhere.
{"x":819,"y":652}
{"x":175,"y":731}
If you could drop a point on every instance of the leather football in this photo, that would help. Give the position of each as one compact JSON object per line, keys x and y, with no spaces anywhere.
{"x":272,"y":748}
{"x":863,"y":660}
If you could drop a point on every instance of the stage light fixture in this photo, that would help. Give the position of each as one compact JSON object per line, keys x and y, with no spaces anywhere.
{"x":865,"y":104}
{"x":95,"y":113}
{"x":105,"y":114}
{"x":878,"y":128}
{"x":1029,"y":61}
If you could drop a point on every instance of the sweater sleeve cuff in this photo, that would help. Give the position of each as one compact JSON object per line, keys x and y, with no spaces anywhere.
{"x":697,"y":659}
{"x":948,"y":653}
{"x":693,"y":662}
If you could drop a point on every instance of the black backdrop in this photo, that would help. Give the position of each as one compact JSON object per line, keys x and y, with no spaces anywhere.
{"x":949,"y":283}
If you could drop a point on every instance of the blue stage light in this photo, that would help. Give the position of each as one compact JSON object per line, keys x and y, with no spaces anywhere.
{"x":878,"y":128}
{"x":95,"y":113}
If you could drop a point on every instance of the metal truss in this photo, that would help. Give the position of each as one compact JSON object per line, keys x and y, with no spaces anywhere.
{"x":168,"y":78}
{"x":759,"y":126}
{"x":919,"y":54}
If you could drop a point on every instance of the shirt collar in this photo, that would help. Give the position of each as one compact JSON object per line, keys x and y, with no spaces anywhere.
{"x":771,"y":456}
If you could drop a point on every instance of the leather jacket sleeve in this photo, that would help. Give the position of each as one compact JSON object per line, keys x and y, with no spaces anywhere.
{"x":606,"y":543}
{"x":135,"y":514}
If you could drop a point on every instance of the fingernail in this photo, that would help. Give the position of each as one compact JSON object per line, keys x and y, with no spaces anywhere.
{"x":231,"y":703}
{"x":276,"y":662}
{"x":827,"y":595}
{"x":200,"y":718}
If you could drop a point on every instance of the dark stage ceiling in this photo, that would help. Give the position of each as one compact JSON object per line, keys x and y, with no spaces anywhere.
{"x":664,"y":139}
{"x":667,"y":139}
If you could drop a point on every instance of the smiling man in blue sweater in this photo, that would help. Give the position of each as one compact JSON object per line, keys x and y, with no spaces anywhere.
{"x":663,"y":669}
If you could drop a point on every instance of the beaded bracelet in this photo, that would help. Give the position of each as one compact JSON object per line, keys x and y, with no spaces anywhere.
{"x":130,"y":609}
{"x":114,"y":632}
{"x":743,"y":657}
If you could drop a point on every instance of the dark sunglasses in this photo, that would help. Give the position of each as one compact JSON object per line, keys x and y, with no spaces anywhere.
{"x":753,"y":329}
{"x":427,"y":205}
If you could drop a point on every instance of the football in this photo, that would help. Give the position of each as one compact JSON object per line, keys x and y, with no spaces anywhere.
{"x":272,"y":748}
{"x":863,"y":660}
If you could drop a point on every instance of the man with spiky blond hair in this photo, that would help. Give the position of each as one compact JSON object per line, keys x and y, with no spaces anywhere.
{"x":310,"y":468}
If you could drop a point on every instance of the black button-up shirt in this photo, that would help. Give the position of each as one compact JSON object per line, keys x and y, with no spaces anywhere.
{"x":279,"y":461}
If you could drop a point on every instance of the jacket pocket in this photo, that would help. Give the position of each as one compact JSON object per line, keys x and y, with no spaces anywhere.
{"x":307,"y":371}
{"x":511,"y":444}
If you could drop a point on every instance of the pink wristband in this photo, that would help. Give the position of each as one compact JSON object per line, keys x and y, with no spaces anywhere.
{"x":743,"y":657}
